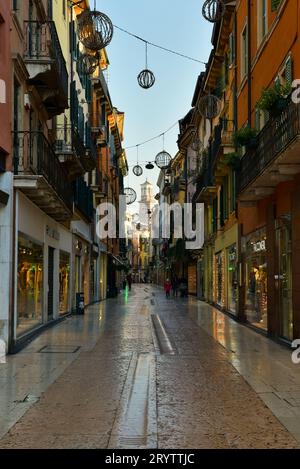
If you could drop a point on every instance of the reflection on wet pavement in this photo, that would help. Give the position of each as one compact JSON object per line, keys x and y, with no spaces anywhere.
{"x":120,"y":390}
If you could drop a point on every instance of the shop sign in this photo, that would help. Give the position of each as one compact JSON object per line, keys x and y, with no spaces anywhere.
{"x":232,"y":255}
{"x":52,"y":233}
{"x":259,"y":246}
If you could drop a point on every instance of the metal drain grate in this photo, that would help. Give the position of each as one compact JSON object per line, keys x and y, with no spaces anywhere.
{"x":59,"y":349}
{"x":134,"y":441}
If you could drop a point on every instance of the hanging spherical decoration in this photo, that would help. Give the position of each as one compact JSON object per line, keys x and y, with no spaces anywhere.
{"x":163,"y":159}
{"x":95,"y":30}
{"x":210,"y":106}
{"x":130,"y":195}
{"x":90,"y":62}
{"x":137,"y":170}
{"x":149,"y":165}
{"x":146,"y":79}
{"x":213,"y":10}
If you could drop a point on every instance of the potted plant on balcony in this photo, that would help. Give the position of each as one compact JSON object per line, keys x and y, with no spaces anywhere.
{"x":275,"y":99}
{"x":246,"y":137}
{"x":233,"y":160}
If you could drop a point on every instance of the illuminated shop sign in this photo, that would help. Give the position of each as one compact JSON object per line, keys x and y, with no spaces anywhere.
{"x":259,"y":246}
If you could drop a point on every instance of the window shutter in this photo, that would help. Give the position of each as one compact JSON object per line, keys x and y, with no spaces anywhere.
{"x":275,"y":4}
{"x":289,"y":70}
{"x":232,"y":47}
{"x":257,"y":119}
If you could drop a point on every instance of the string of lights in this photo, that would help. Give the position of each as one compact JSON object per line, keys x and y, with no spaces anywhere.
{"x":160,"y":47}
{"x":153,"y":138}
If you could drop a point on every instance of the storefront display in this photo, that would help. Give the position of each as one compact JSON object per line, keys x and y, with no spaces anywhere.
{"x":232,"y":279}
{"x":64,"y":283}
{"x":219,"y":279}
{"x":256,"y":278}
{"x":284,"y":278}
{"x":30,"y":284}
{"x":192,"y":279}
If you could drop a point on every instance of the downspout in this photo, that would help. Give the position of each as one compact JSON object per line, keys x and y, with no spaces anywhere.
{"x":249,"y":62}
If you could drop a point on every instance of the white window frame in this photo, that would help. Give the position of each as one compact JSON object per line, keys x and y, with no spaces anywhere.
{"x":262,"y":20}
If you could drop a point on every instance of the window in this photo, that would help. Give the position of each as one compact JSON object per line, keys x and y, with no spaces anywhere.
{"x":262,"y":20}
{"x":261,"y":118}
{"x":285,"y":75}
{"x":244,"y":52}
{"x":275,"y":4}
{"x":231,"y":49}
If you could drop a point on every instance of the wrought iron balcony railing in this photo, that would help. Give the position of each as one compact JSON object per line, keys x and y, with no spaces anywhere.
{"x":70,"y":150}
{"x":33,"y":155}
{"x":273,"y":140}
{"x":42,"y":45}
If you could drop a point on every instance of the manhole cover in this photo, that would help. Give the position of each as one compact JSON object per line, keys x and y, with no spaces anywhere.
{"x":59,"y":349}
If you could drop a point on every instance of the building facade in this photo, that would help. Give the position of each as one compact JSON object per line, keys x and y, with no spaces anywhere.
{"x":247,"y":167}
{"x":53,"y":151}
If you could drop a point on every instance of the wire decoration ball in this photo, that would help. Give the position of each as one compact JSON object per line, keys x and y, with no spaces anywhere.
{"x":213,"y":10}
{"x":210,"y":106}
{"x":146,"y":79}
{"x":131,"y":195}
{"x":163,"y":159}
{"x":90,"y":62}
{"x":95,"y":30}
{"x":137,"y":170}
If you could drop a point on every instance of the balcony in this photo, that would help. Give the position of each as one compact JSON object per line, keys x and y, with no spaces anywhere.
{"x":275,"y":159}
{"x":222,"y":144}
{"x":206,"y":188}
{"x":83,"y":199}
{"x":46,"y":66}
{"x":40,"y":176}
{"x":179,"y":185}
{"x":70,"y":150}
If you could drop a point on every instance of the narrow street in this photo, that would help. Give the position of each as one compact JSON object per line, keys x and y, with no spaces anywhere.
{"x":146,"y":372}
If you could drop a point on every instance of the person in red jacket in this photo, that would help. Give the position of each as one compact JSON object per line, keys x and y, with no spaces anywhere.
{"x":168,"y":287}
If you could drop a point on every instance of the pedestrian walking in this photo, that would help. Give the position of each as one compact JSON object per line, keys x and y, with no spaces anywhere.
{"x":168,"y":287}
{"x":175,"y":286}
{"x":129,"y":281}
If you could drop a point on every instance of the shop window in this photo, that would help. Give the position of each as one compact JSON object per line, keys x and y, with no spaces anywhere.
{"x":232,"y":279}
{"x":30,"y":284}
{"x":255,"y":247}
{"x":64,"y":282}
{"x":219,"y":276}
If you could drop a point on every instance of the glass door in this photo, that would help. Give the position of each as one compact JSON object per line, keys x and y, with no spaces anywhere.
{"x":284,"y":277}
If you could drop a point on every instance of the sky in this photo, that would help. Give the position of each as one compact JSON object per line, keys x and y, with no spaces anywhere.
{"x":173,"y":24}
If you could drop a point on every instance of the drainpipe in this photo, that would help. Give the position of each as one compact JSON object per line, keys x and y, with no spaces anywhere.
{"x":235,"y":75}
{"x":249,"y":62}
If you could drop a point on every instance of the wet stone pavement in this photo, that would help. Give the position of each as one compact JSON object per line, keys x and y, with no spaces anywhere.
{"x":146,"y":372}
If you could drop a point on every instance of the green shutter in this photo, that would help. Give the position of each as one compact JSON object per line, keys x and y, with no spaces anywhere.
{"x":275,"y":4}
